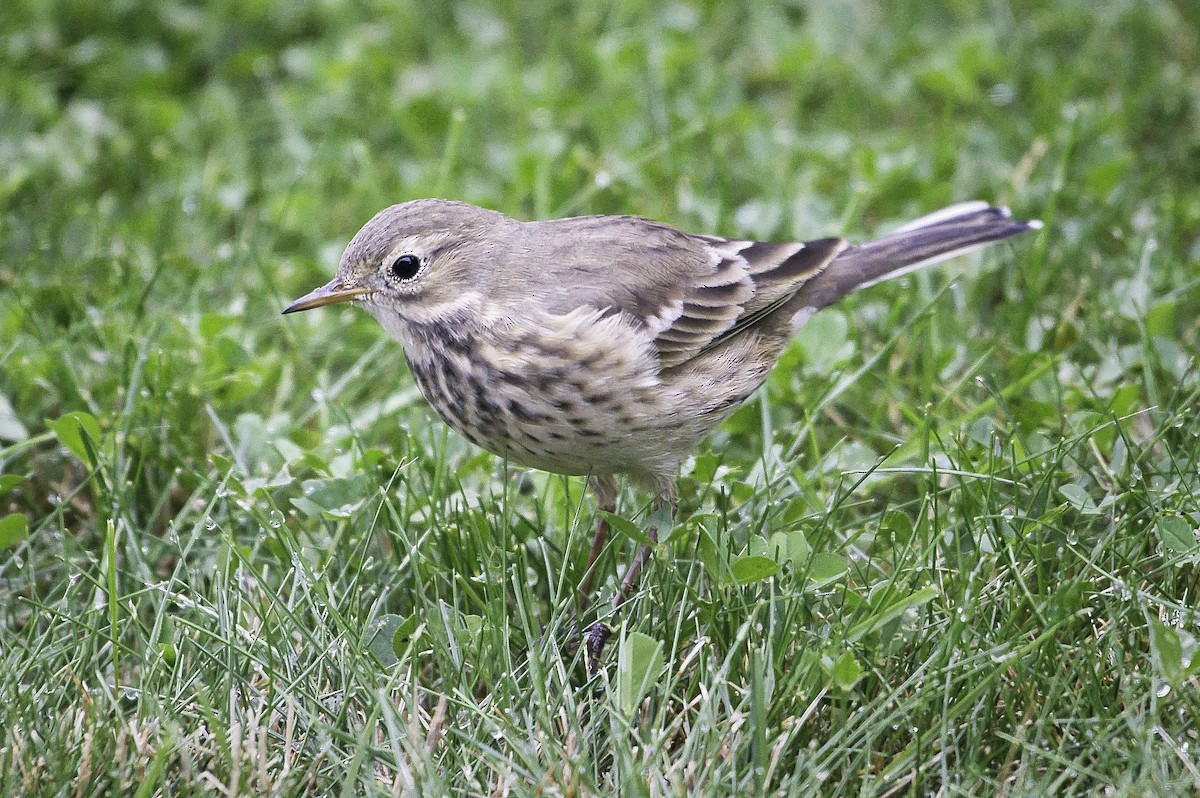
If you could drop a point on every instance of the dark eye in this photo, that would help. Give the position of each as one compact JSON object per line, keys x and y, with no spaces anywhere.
{"x":405,"y":267}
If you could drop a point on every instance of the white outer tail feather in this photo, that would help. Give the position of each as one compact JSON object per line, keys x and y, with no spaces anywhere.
{"x":951,"y":212}
{"x":947,"y":233}
{"x":946,"y":214}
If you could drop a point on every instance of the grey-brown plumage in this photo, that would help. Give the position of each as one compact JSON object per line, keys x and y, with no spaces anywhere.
{"x":606,"y":345}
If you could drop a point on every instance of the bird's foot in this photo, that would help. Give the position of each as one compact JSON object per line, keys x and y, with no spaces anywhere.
{"x":595,"y":636}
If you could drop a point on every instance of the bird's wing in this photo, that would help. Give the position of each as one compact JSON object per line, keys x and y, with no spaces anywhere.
{"x":773,"y":271}
{"x":689,"y":292}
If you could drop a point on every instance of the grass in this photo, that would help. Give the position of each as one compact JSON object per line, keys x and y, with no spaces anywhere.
{"x":949,"y":549}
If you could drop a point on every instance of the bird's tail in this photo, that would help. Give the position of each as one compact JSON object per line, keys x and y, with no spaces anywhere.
{"x":949,"y":232}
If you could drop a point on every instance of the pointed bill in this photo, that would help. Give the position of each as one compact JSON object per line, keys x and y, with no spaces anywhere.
{"x":327,"y":294}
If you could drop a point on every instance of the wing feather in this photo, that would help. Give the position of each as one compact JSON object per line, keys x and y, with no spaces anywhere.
{"x":768,"y":274}
{"x":689,"y":292}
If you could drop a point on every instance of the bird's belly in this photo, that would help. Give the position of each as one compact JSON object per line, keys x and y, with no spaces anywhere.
{"x":554,"y":418}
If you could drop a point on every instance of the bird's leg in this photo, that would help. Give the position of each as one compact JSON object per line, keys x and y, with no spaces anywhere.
{"x":605,"y":491}
{"x":634,"y":568}
{"x":598,"y":633}
{"x":589,"y":573}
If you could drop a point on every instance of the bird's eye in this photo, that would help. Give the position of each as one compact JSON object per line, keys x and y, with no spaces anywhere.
{"x":405,"y":267}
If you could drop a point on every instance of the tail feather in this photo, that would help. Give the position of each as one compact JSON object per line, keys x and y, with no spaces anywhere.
{"x":945,"y":234}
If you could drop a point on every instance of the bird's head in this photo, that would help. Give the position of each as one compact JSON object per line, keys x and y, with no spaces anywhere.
{"x":413,"y":261}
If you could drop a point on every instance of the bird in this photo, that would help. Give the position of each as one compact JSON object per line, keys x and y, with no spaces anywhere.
{"x":607,"y":346}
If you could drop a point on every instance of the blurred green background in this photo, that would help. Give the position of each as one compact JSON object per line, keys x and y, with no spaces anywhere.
{"x":194,"y":533}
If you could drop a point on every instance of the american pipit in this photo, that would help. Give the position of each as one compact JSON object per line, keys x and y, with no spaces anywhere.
{"x":606,"y":345}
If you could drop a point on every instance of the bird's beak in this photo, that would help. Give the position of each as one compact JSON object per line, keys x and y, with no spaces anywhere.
{"x":327,"y":294}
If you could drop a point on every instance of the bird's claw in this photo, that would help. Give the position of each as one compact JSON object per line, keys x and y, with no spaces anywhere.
{"x":595,"y":636}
